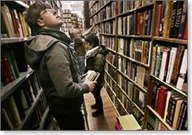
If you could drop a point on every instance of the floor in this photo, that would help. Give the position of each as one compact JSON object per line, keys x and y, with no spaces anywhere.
{"x":103,"y":122}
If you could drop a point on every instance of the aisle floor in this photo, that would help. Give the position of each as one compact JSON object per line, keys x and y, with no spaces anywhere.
{"x":105,"y":121}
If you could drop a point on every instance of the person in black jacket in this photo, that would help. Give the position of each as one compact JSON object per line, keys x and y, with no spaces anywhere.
{"x":56,"y":64}
{"x":95,"y":60}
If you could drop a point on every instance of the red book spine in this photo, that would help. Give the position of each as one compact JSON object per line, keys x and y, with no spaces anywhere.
{"x":5,"y":69}
{"x":138,"y":23}
{"x":150,"y":92}
{"x":117,"y":126}
{"x":158,"y":17}
{"x":162,"y":101}
{"x":185,"y":35}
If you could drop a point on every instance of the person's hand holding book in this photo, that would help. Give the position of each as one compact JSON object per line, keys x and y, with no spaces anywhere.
{"x":91,"y":85}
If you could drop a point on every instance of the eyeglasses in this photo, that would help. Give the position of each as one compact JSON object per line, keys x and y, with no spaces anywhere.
{"x":49,"y":11}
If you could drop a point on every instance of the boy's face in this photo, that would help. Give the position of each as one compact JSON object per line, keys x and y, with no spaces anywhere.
{"x":50,"y":19}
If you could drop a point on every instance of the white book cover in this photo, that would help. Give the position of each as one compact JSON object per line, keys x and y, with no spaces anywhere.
{"x":166,"y":104}
{"x":163,"y":63}
{"x":171,"y":64}
{"x":92,"y":75}
{"x":182,"y":72}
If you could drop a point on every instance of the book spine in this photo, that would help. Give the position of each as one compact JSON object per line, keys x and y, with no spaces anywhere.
{"x":8,"y":20}
{"x":163,"y":64}
{"x":162,"y":101}
{"x":170,"y":111}
{"x":14,"y":111}
{"x":149,"y":22}
{"x":180,"y":113}
{"x":176,"y":113}
{"x":14,"y":64}
{"x":18,"y":101}
{"x":158,"y":17}
{"x":10,"y":64}
{"x":169,"y":93}
{"x":167,"y":20}
{"x":177,"y":64}
{"x":117,"y":126}
{"x":135,"y":21}
{"x":183,"y":20}
{"x":183,"y":70}
{"x":178,"y":19}
{"x":173,"y":18}
{"x":162,"y":19}
{"x":183,"y":116}
{"x":158,"y":60}
{"x":6,"y":122}
{"x":171,"y":64}
{"x":154,"y":95}
{"x":5,"y":69}
{"x":185,"y":35}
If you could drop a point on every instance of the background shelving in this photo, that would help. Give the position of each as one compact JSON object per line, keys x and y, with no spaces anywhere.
{"x":131,"y":30}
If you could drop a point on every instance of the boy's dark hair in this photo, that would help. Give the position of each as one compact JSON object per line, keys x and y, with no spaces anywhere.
{"x":32,"y":14}
{"x":92,"y":39}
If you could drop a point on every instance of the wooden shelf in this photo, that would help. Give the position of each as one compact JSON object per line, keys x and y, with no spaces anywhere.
{"x":7,"y":90}
{"x":14,"y":40}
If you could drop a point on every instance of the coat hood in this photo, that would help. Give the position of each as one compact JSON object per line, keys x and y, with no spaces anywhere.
{"x":36,"y":48}
{"x":99,"y":49}
{"x":45,"y":39}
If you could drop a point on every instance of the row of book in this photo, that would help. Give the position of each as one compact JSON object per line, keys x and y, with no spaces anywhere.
{"x":170,"y":106}
{"x":108,"y":27}
{"x":136,"y":23}
{"x":134,"y":71}
{"x":109,"y":42}
{"x":12,"y":64}
{"x":13,"y":23}
{"x":115,"y":8}
{"x":124,"y":6}
{"x":36,"y":117}
{"x":14,"y":108}
{"x":130,"y":90}
{"x":139,"y":50}
{"x":122,"y":103}
{"x":111,"y":69}
{"x":171,"y":19}
{"x":133,"y":24}
{"x":170,"y":65}
{"x":153,"y":123}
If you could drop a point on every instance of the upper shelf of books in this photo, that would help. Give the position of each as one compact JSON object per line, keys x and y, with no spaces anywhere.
{"x":13,"y":23}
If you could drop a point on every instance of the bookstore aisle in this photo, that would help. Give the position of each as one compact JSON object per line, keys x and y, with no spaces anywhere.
{"x":146,"y":71}
{"x":105,"y":121}
{"x":101,"y":123}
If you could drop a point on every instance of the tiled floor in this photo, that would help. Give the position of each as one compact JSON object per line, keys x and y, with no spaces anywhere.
{"x":103,"y":122}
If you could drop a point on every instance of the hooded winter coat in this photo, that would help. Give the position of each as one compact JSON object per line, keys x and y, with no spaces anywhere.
{"x":95,"y":60}
{"x":49,"y":54}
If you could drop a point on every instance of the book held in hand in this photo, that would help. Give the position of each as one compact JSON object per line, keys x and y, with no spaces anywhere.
{"x":92,"y":75}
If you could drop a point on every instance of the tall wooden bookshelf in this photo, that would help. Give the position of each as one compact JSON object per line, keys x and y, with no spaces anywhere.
{"x":141,"y":38}
{"x":23,"y":102}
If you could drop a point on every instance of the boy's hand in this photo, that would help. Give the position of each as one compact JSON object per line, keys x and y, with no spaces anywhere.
{"x":91,"y":85}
